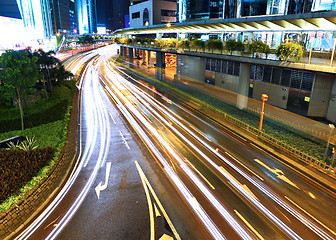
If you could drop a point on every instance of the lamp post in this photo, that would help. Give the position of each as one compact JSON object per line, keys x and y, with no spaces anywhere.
{"x":332,"y":127}
{"x":264,"y":98}
{"x":332,"y":162}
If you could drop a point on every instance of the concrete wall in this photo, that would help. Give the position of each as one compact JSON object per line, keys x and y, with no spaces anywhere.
{"x":320,"y":96}
{"x":331,"y":113}
{"x":276,"y":96}
{"x":193,"y":68}
{"x":227,"y":81}
{"x":140,"y":7}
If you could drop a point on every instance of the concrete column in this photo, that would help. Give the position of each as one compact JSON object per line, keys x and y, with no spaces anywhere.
{"x":148,"y":58}
{"x":130,"y":57}
{"x":243,"y":85}
{"x":143,"y":57}
{"x":331,"y":116}
{"x":123,"y":51}
{"x":160,"y":65}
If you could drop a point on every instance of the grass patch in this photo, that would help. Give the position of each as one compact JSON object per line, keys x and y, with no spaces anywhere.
{"x":52,"y":135}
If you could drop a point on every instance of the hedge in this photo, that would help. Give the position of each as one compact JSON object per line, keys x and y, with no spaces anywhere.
{"x":18,"y":167}
{"x":40,"y":113}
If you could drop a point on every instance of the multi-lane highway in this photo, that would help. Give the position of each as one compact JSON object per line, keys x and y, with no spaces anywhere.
{"x":151,"y":165}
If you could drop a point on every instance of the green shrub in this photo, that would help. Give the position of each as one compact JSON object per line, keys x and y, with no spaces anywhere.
{"x":40,"y":113}
{"x":287,"y":50}
{"x":18,"y":167}
{"x":183,"y":43}
{"x":197,"y":44}
{"x":214,"y":44}
{"x":160,"y":43}
{"x":232,"y":45}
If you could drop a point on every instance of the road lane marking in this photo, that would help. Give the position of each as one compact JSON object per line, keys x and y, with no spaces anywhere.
{"x":311,"y":195}
{"x":101,"y":187}
{"x":52,"y":222}
{"x":166,"y":237}
{"x":200,"y":133}
{"x":124,"y":140}
{"x":157,"y":213}
{"x":244,"y":166}
{"x":112,"y":118}
{"x":259,"y":148}
{"x":249,"y":225}
{"x":147,"y":186}
{"x":278,"y":173}
{"x":199,"y":173}
{"x":243,"y":185}
{"x":310,"y":215}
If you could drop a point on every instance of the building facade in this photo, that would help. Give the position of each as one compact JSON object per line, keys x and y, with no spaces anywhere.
{"x":151,"y":12}
{"x":36,"y":17}
{"x":210,"y":9}
{"x":87,"y":16}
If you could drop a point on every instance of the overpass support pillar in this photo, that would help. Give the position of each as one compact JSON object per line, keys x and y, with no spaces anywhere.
{"x":148,"y":58}
{"x":243,"y":85}
{"x":160,"y":65}
{"x":143,"y":57}
{"x":130,"y":57}
{"x":123,"y":51}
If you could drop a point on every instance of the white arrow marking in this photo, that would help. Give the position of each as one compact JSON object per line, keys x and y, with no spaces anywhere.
{"x":243,"y":185}
{"x":101,"y":187}
{"x":278,"y":173}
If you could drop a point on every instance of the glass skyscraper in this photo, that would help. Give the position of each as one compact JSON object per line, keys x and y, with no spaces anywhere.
{"x":87,"y":16}
{"x":211,"y":9}
{"x":36,"y":17}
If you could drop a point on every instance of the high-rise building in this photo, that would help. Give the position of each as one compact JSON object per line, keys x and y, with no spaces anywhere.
{"x":36,"y":17}
{"x":64,"y":17}
{"x":111,"y":14}
{"x":87,"y":16}
{"x":151,"y":12}
{"x":120,"y":10}
{"x":211,"y":9}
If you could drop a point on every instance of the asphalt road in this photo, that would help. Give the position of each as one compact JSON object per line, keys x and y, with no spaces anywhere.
{"x":152,"y":165}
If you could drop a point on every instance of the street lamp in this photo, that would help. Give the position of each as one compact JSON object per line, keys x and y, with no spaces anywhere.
{"x":332,"y":127}
{"x":332,"y":162}
{"x":264,"y":98}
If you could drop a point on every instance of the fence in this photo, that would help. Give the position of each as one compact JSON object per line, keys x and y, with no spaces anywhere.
{"x":303,"y":157}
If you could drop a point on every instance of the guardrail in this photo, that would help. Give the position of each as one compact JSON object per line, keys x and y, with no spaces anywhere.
{"x":317,"y":58}
{"x":303,"y":157}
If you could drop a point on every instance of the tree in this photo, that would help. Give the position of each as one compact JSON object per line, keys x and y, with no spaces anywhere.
{"x":19,"y":77}
{"x":214,"y":44}
{"x":291,"y":49}
{"x":197,"y":44}
{"x":86,"y":39}
{"x":46,"y":62}
{"x":184,"y":44}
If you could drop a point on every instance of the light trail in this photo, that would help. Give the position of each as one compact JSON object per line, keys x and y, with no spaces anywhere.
{"x":147,"y":98}
{"x":80,"y":161}
{"x":118,"y":90}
